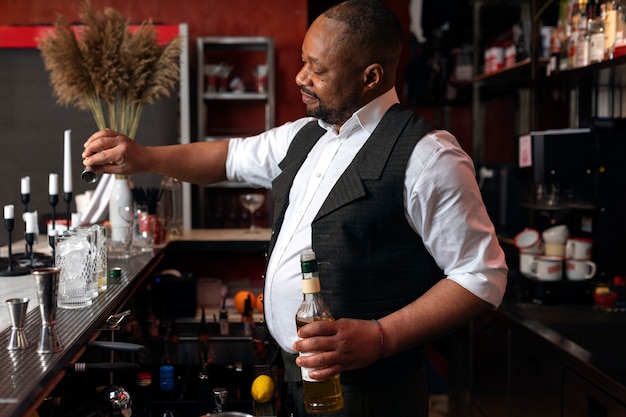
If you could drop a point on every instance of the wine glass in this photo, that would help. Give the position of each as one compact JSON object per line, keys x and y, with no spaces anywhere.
{"x":252,"y":202}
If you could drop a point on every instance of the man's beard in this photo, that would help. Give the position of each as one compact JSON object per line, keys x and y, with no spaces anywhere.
{"x":334,"y":116}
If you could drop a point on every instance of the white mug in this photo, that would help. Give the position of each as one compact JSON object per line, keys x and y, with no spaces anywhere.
{"x":555,"y":249}
{"x":556,"y":234}
{"x":525,"y":259}
{"x":547,"y":268}
{"x":578,"y":248}
{"x":579,"y":269}
{"x":529,"y":241}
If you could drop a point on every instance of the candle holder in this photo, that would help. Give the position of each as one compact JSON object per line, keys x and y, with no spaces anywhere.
{"x":25,"y":197}
{"x":51,"y":241}
{"x":67,"y":196}
{"x":13,"y":268}
{"x":30,"y":241}
{"x":53,"y":199}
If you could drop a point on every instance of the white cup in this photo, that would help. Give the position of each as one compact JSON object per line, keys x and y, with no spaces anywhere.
{"x":529,"y":241}
{"x":556,"y":234}
{"x":576,"y":270}
{"x":555,"y":249}
{"x":578,"y":248}
{"x":525,"y":259}
{"x":547,"y":268}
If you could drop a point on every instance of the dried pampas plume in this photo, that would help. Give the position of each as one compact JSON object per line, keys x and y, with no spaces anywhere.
{"x":100,"y":66}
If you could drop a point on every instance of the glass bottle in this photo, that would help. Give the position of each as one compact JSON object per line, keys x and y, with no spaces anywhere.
{"x":172,"y":206}
{"x":582,"y":45}
{"x":142,"y":404}
{"x":246,"y":317}
{"x":325,"y":395}
{"x":595,"y":31}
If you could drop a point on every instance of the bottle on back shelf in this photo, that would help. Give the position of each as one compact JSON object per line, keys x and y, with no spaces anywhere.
{"x":246,"y":317}
{"x":142,"y":403}
{"x":325,"y":395}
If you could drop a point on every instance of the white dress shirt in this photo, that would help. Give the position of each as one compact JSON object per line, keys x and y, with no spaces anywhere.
{"x":442,"y":200}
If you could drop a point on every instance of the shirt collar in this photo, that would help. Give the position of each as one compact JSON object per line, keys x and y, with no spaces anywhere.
{"x":368,"y":116}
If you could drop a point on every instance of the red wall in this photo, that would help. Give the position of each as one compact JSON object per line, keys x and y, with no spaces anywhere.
{"x":284,"y":20}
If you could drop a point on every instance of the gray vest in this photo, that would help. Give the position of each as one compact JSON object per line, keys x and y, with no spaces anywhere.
{"x":371,"y":262}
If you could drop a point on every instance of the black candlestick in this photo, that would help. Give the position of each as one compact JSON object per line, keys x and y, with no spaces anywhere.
{"x":53,"y":199}
{"x":51,"y":237}
{"x":67,"y":196}
{"x":30,"y":241}
{"x":9,"y":224}
{"x":12,"y":270}
{"x":25,"y":197}
{"x":25,"y":201}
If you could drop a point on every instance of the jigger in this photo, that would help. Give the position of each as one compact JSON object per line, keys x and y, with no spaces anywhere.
{"x":47,"y":285}
{"x":17,"y":313}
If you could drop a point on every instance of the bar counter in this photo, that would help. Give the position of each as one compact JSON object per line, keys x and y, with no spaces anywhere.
{"x":584,"y":339}
{"x":29,"y":377}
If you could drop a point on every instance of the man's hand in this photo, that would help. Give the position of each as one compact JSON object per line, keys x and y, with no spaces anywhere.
{"x":108,"y":151}
{"x":340,"y":345}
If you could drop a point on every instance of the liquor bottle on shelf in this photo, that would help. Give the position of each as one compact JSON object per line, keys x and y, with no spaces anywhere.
{"x":166,"y":390}
{"x":246,"y":317}
{"x":224,"y":324}
{"x":325,"y":395}
{"x":142,"y":398}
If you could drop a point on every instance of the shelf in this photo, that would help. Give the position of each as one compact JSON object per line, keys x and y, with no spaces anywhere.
{"x":575,"y":73}
{"x":520,"y":67}
{"x":234,"y":96}
{"x":559,"y":207}
{"x":223,"y":115}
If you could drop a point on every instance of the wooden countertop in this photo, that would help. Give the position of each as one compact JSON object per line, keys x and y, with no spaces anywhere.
{"x":263,"y":235}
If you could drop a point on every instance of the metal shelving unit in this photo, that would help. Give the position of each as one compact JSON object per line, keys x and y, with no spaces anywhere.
{"x":243,"y":53}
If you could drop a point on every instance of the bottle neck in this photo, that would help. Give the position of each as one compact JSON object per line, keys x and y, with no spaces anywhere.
{"x":311,"y":286}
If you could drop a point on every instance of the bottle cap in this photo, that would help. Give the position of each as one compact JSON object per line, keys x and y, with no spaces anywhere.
{"x":307,"y":255}
{"x":166,"y":378}
{"x":144,"y":379}
{"x":115,"y":272}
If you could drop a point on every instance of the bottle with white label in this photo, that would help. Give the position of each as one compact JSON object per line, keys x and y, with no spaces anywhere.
{"x":320,"y":396}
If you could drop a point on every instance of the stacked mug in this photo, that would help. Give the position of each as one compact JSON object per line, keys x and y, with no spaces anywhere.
{"x":530,"y":246}
{"x":550,"y":255}
{"x":578,"y":263}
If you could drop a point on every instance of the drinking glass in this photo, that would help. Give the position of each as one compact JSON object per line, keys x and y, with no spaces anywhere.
{"x":75,"y":260}
{"x":252,"y":202}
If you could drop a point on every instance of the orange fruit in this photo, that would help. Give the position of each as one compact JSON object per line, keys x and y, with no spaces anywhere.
{"x":259,"y":302}
{"x":240,"y":300}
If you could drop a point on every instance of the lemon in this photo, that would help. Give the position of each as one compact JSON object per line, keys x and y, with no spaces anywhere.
{"x":262,"y":389}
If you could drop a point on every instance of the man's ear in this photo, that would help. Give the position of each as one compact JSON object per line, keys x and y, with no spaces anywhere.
{"x":373,"y":75}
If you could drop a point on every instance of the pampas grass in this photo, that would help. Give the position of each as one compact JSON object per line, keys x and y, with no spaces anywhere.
{"x":100,"y":66}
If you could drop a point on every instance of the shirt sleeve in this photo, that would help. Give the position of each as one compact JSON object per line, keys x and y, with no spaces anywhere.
{"x":445,"y":207}
{"x":254,"y":160}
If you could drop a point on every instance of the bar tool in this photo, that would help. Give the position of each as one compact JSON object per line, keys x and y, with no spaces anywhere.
{"x":47,"y":285}
{"x":221,"y":399}
{"x":88,"y":175}
{"x":17,"y":313}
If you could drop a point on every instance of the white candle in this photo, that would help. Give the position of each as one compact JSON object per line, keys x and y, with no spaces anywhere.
{"x":8,"y":211}
{"x":30,"y":221}
{"x":67,"y":162}
{"x":53,"y":186}
{"x":25,"y":185}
